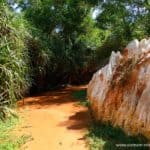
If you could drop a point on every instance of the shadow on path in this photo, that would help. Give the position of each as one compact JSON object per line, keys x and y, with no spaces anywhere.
{"x":77,"y":121}
{"x":48,"y":99}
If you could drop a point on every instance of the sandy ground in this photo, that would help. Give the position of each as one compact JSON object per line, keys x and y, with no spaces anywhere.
{"x":55,"y":121}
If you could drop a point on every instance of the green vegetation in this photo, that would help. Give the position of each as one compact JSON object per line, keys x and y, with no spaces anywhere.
{"x":14,"y":70}
{"x":81,"y":96}
{"x":53,"y":42}
{"x":105,"y":137}
{"x":67,"y":37}
{"x":7,"y":139}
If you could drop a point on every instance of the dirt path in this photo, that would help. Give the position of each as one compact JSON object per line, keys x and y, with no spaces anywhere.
{"x":55,"y":121}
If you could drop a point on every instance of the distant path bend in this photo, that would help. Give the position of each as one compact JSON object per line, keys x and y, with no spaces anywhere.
{"x":55,"y":121}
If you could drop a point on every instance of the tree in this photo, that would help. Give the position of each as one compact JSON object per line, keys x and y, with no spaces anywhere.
{"x":65,"y":24}
{"x":123,"y":18}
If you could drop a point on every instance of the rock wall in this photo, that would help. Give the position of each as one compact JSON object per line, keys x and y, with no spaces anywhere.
{"x":120,"y":92}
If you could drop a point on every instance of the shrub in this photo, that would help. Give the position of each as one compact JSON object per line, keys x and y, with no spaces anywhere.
{"x":14,"y":66}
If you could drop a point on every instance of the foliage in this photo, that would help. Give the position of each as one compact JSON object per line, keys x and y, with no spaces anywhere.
{"x":7,"y":140}
{"x":124,"y":18}
{"x":14,"y":70}
{"x":69,"y":36}
{"x":55,"y":42}
{"x":39,"y":57}
{"x":75,"y":41}
{"x":105,"y":137}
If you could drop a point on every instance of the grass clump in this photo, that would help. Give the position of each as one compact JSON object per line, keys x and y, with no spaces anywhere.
{"x":14,"y":65}
{"x":81,"y":96}
{"x":9,"y":141}
{"x":106,"y":137}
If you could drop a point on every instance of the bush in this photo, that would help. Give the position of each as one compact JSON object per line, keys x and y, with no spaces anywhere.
{"x":14,"y":66}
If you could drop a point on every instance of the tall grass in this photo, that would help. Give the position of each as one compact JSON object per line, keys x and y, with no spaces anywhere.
{"x":14,"y":66}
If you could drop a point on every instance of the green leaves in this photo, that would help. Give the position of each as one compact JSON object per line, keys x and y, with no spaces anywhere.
{"x":13,"y":58}
{"x":67,"y":36}
{"x":58,"y":40}
{"x":124,"y":17}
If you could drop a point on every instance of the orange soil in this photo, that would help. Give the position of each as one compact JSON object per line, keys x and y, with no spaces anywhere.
{"x":55,"y":121}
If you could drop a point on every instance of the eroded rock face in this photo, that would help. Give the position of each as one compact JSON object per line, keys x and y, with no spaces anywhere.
{"x":120,"y":92}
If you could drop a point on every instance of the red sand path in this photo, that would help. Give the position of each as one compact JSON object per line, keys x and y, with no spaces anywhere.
{"x":55,"y":121}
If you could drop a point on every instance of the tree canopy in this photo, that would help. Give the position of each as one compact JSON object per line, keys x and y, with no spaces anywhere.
{"x":49,"y":42}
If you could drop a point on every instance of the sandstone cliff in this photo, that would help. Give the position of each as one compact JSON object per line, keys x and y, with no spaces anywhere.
{"x":120,"y":92}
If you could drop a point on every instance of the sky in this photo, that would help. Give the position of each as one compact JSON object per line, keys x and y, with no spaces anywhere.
{"x":95,"y":13}
{"x":16,"y":8}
